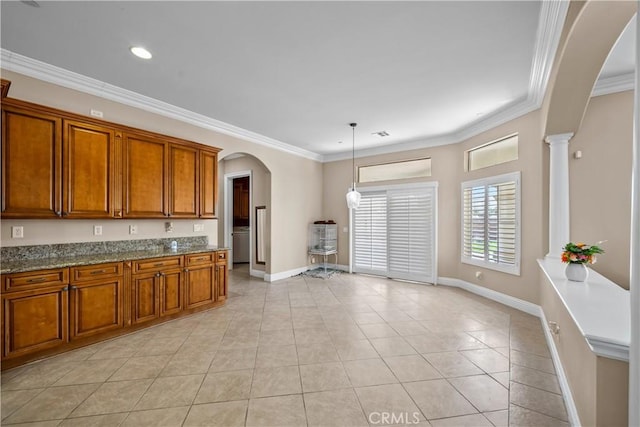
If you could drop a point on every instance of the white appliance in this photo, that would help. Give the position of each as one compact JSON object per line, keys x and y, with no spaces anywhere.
{"x":241,"y":236}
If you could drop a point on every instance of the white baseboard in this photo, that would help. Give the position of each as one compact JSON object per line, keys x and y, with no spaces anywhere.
{"x":284,"y":274}
{"x":290,"y":273}
{"x":572,"y":411}
{"x":508,"y":300}
{"x":257,"y":273}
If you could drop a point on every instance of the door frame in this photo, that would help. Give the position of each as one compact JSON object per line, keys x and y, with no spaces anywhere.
{"x":228,"y":213}
{"x":428,"y":184}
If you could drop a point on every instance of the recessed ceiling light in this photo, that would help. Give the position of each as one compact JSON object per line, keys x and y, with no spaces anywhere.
{"x":339,"y":142}
{"x":30,"y":3}
{"x":140,"y":52}
{"x":381,"y":133}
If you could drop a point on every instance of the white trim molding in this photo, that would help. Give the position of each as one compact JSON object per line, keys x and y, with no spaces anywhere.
{"x":257,"y":273}
{"x":50,"y":73}
{"x":634,"y":253}
{"x":558,"y":193}
{"x":272,"y":277}
{"x":508,"y":300}
{"x":572,"y":410}
{"x":614,"y":84}
{"x":550,"y":23}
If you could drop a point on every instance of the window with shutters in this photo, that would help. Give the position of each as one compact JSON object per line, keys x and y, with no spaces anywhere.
{"x":491,"y":223}
{"x":395,"y":232}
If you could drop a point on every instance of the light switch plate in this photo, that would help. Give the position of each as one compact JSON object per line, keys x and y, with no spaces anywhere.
{"x":97,"y":230}
{"x":133,"y":229}
{"x":17,"y":232}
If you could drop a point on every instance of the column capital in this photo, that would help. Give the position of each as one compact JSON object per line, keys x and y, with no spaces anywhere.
{"x":558,"y":138}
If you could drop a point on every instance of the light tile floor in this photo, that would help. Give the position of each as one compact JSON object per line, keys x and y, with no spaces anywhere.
{"x":352,"y":350}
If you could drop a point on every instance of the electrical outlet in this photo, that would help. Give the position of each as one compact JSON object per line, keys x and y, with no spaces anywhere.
{"x":17,"y":232}
{"x":133,"y":229}
{"x":97,"y":113}
{"x":97,"y":230}
{"x":168,"y":227}
{"x":198,"y":227}
{"x":345,"y":229}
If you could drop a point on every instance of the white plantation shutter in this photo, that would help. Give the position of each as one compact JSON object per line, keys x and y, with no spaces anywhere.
{"x":490,"y":223}
{"x":370,"y":240}
{"x":411,"y":234}
{"x":395,"y":233}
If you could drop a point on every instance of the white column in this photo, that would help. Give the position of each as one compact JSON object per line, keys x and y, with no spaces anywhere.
{"x":558,"y":193}
{"x":634,"y":351}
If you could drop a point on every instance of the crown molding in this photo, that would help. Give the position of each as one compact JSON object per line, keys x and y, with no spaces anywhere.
{"x":614,"y":84}
{"x":42,"y":71}
{"x":551,"y":22}
{"x":552,"y":17}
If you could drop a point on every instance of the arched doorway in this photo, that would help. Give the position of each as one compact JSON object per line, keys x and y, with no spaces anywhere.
{"x":246,"y":179}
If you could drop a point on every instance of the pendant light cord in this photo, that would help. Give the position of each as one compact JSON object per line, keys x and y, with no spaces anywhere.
{"x":353,"y":153}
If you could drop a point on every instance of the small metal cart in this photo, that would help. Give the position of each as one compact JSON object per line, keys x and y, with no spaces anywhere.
{"x":323,"y":241}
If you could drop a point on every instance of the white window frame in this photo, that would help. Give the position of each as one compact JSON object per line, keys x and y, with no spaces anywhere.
{"x":493,"y":180}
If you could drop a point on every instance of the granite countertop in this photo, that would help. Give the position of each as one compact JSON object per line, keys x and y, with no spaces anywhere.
{"x":24,"y":265}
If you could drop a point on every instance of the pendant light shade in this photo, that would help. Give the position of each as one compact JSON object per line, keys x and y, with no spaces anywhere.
{"x":353,"y":197}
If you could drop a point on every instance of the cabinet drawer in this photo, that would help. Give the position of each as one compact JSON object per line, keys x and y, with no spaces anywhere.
{"x":34,"y":279}
{"x":221,"y":255}
{"x":157,"y":264}
{"x":200,"y":259}
{"x":98,"y":271}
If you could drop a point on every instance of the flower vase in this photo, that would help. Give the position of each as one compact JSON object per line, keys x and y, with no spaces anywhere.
{"x":576,"y":272}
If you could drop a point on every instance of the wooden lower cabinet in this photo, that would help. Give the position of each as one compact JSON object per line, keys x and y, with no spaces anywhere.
{"x":46,"y":311}
{"x":171,"y":293}
{"x":200,"y":285}
{"x":145,"y":298}
{"x":34,"y":320}
{"x":222,"y":273}
{"x":96,"y":307}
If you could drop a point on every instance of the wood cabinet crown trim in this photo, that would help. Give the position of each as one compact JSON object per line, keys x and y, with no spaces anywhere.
{"x":66,"y":115}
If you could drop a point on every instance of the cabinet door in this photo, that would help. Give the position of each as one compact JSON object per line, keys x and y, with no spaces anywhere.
{"x":34,"y":320}
{"x":145,"y":299}
{"x":200,"y":288}
{"x":184,"y":183}
{"x":96,"y":307}
{"x":171,"y":298}
{"x":208,"y":184}
{"x":146,"y":180}
{"x":88,"y":170}
{"x":222,"y":275}
{"x":31,"y":163}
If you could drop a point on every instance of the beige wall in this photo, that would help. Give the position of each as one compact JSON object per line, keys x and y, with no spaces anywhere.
{"x":600,"y":182}
{"x":260,"y":194}
{"x":296,"y":182}
{"x":448,"y":170}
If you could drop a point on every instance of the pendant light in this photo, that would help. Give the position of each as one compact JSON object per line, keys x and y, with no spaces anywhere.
{"x":353,"y":197}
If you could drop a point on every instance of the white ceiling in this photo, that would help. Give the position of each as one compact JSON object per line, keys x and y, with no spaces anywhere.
{"x":299,"y":72}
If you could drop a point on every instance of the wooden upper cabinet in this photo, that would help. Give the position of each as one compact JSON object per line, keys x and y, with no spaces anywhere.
{"x":31,"y":163}
{"x":88,"y":188}
{"x":145,"y":177}
{"x":208,"y":183}
{"x":184,"y":185}
{"x":57,"y":164}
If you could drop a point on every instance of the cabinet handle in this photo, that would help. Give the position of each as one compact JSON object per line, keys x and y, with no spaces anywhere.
{"x":119,"y":214}
{"x":168,"y":214}
{"x":65,"y":213}
{"x":65,"y":289}
{"x":73,"y":288}
{"x":161,"y":274}
{"x":37,"y":280}
{"x":98,"y":272}
{"x":58,"y":213}
{"x":157,"y":274}
{"x":186,"y":270}
{"x":159,"y":264}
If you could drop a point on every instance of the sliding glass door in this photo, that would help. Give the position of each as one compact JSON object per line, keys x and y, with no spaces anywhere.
{"x":395,"y":232}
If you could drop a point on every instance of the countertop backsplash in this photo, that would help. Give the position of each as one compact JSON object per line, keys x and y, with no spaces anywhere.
{"x":66,"y":250}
